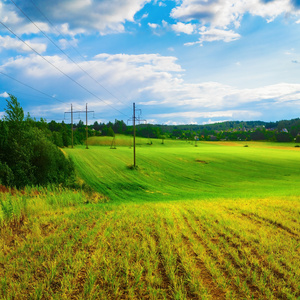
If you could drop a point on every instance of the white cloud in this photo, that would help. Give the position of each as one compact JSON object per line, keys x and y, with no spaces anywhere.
{"x":8,"y":15}
{"x":124,"y":75}
{"x":65,"y":30}
{"x":192,"y":115}
{"x":103,"y":16}
{"x":149,"y":61}
{"x":216,"y":96}
{"x":17,"y":23}
{"x":8,"y":43}
{"x":35,"y":67}
{"x":31,"y":28}
{"x":162,"y":4}
{"x":153,"y":25}
{"x":213,"y":122}
{"x":224,"y":13}
{"x":219,"y":15}
{"x":289,"y":52}
{"x":185,"y":28}
{"x":164,"y":24}
{"x":153,"y":81}
{"x":64,"y":44}
{"x":4,"y":95}
{"x":214,"y":34}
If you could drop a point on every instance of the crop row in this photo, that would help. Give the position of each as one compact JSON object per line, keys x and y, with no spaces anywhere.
{"x":179,"y":250}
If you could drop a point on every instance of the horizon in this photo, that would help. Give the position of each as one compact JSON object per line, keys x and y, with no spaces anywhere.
{"x":90,"y":123}
{"x":182,"y":62}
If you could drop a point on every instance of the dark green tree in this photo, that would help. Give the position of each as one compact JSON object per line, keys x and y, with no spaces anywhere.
{"x":27,"y":156}
{"x":110,"y":132}
{"x":283,"y":137}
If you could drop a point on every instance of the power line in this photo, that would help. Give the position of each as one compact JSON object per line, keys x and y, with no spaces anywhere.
{"x":59,"y":32}
{"x":96,"y":81}
{"x":76,"y":82}
{"x":54,"y":27}
{"x":27,"y":85}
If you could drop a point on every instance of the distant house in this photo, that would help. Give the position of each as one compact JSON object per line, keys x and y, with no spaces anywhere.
{"x":284,"y":130}
{"x":212,"y":138}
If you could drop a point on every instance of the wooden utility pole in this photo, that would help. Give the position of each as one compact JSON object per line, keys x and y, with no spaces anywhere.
{"x":134,"y":120}
{"x":72,"y":124}
{"x":86,"y":121}
{"x":86,"y":127}
{"x":134,"y":161}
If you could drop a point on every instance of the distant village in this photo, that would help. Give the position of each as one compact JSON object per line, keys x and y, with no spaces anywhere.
{"x":281,"y":131}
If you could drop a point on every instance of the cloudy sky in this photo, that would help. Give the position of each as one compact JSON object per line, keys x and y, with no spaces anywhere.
{"x":180,"y":61}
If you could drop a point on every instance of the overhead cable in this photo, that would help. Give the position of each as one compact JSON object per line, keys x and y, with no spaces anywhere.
{"x":96,"y":81}
{"x":27,"y":85}
{"x":58,"y":69}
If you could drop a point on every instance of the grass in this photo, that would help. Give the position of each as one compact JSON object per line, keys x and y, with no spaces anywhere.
{"x":191,"y":222}
{"x":178,"y":170}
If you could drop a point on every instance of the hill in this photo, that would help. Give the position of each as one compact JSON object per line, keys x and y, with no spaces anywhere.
{"x":216,"y":221}
{"x":179,"y":170}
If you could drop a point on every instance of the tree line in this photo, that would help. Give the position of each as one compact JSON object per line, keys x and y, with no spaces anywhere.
{"x":28,"y":155}
{"x":29,"y":152}
{"x":60,"y":133}
{"x":281,"y":131}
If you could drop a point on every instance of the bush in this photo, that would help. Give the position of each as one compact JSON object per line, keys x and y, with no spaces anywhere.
{"x":27,"y":156}
{"x":48,"y":161}
{"x":283,"y":137}
{"x":6,"y":175}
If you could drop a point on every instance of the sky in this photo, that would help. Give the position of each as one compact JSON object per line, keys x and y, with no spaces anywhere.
{"x":179,"y":61}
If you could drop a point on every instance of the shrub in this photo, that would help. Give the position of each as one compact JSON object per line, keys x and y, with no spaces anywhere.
{"x":6,"y":175}
{"x":27,"y":156}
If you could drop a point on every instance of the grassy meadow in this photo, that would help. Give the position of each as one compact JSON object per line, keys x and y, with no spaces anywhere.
{"x":177,"y":170}
{"x":216,"y":221}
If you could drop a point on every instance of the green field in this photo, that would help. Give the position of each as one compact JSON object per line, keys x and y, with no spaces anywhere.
{"x":177,"y":170}
{"x":216,"y":221}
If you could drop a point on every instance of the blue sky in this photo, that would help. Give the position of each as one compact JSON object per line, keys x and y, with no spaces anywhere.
{"x":180,"y":61}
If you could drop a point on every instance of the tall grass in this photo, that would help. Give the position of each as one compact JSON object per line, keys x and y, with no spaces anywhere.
{"x":219,"y":249}
{"x":206,"y":222}
{"x":15,"y":205}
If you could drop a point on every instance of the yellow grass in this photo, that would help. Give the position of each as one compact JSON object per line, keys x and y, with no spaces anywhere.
{"x":217,"y":249}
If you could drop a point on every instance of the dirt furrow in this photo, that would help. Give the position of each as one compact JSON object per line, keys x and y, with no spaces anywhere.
{"x":206,"y":276}
{"x":210,"y":252}
{"x":240,"y":244}
{"x":166,"y":282}
{"x":254,"y":217}
{"x":181,"y":271}
{"x":81,"y":276}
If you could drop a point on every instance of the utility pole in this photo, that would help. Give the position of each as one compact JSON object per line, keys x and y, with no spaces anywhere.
{"x":86,"y":126}
{"x":134,"y":120}
{"x":86,"y":121}
{"x":72,"y":124}
{"x":134,"y":160}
